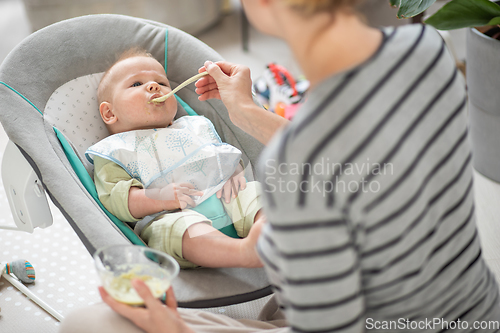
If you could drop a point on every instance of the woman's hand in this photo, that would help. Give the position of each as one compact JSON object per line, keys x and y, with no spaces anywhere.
{"x":228,"y":82}
{"x":233,"y":85}
{"x":233,"y":185}
{"x":156,"y":317}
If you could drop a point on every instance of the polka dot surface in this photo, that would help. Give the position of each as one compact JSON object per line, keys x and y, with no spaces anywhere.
{"x":65,"y":275}
{"x":73,"y":108}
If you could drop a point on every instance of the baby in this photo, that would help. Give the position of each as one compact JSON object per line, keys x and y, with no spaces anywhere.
{"x":137,"y":125}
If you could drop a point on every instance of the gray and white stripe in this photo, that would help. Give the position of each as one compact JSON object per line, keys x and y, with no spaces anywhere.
{"x":408,"y":249}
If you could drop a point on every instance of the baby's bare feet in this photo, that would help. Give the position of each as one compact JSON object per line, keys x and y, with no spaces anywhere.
{"x":248,"y":244}
{"x":259,"y":215}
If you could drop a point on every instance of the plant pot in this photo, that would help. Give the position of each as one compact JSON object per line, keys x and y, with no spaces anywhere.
{"x":484,"y":102}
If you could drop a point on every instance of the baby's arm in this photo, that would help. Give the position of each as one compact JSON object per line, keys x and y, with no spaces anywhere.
{"x":112,"y":185}
{"x":142,"y":202}
{"x":125,"y":197}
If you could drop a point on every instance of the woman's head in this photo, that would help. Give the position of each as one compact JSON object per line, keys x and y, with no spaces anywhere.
{"x":271,"y":16}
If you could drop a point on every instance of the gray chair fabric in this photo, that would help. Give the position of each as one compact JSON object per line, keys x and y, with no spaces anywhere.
{"x":69,"y":49}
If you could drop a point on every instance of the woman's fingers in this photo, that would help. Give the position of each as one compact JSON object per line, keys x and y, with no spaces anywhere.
{"x":203,"y":88}
{"x":204,"y":81}
{"x":228,"y":82}
{"x":143,"y":291}
{"x":171,"y":300}
{"x":155,"y":317}
{"x":207,"y":88}
{"x":118,"y":307}
{"x":226,"y":67}
{"x":213,"y":94}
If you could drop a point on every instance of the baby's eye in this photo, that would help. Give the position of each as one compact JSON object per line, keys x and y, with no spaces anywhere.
{"x":136,"y":84}
{"x":163,"y":84}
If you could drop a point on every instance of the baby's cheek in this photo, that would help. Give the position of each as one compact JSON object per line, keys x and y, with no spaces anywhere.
{"x":172,"y":104}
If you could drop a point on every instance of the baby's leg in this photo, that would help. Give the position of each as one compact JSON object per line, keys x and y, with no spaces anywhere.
{"x":165,"y":233}
{"x":245,"y":209}
{"x":206,"y":246}
{"x":189,"y":237}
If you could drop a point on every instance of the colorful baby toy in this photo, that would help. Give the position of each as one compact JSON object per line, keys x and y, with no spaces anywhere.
{"x":279,"y":92}
{"x":22,"y":270}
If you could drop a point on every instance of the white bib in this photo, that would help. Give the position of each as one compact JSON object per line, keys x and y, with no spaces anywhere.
{"x":188,"y":151}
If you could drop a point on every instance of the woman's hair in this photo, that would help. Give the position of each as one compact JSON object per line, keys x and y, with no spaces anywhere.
{"x":310,"y":7}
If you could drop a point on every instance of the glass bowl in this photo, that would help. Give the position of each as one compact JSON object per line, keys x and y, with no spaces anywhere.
{"x":118,"y":265}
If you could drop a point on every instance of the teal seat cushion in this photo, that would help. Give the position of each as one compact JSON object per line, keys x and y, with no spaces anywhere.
{"x":213,"y":209}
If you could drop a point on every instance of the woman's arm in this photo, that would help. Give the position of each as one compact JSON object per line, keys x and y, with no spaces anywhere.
{"x":232,"y":84}
{"x":258,"y":122}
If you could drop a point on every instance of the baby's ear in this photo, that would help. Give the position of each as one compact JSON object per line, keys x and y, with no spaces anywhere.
{"x":107,"y":115}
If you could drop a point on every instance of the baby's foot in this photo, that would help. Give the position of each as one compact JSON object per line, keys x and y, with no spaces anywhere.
{"x":248,"y":244}
{"x":260,"y":215}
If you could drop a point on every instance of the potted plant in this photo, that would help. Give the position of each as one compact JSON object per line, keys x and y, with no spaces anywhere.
{"x":483,"y":49}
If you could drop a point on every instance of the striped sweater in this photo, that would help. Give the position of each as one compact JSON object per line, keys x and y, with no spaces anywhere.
{"x":368,"y":194}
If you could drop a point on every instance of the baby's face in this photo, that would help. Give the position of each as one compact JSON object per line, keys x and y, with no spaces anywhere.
{"x":134,"y":83}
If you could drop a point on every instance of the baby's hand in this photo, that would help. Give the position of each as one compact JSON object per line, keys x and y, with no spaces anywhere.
{"x":234,"y":184}
{"x":179,"y":195}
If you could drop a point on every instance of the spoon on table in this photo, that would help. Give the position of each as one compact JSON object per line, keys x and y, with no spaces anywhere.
{"x":179,"y":87}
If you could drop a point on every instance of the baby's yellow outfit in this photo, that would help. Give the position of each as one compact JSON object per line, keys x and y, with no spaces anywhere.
{"x":165,"y":232}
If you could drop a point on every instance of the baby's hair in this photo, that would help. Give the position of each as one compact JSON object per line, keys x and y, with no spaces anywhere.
{"x":310,"y":7}
{"x":102,"y":90}
{"x":130,"y":53}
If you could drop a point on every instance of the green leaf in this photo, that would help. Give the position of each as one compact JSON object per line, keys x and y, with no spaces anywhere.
{"x":410,"y":8}
{"x":464,"y":13}
{"x":394,"y":3}
{"x":495,"y":21}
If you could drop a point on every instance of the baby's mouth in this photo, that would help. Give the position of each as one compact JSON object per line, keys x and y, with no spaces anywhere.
{"x":155,"y":103}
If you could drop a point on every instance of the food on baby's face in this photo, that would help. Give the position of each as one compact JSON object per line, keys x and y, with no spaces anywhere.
{"x":182,"y":85}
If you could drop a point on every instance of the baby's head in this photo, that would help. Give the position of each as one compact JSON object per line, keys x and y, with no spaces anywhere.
{"x":127,"y":88}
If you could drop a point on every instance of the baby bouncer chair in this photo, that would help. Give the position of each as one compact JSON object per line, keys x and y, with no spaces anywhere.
{"x":48,"y":107}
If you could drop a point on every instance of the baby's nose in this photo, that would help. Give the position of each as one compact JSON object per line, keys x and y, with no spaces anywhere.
{"x":153,"y":86}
